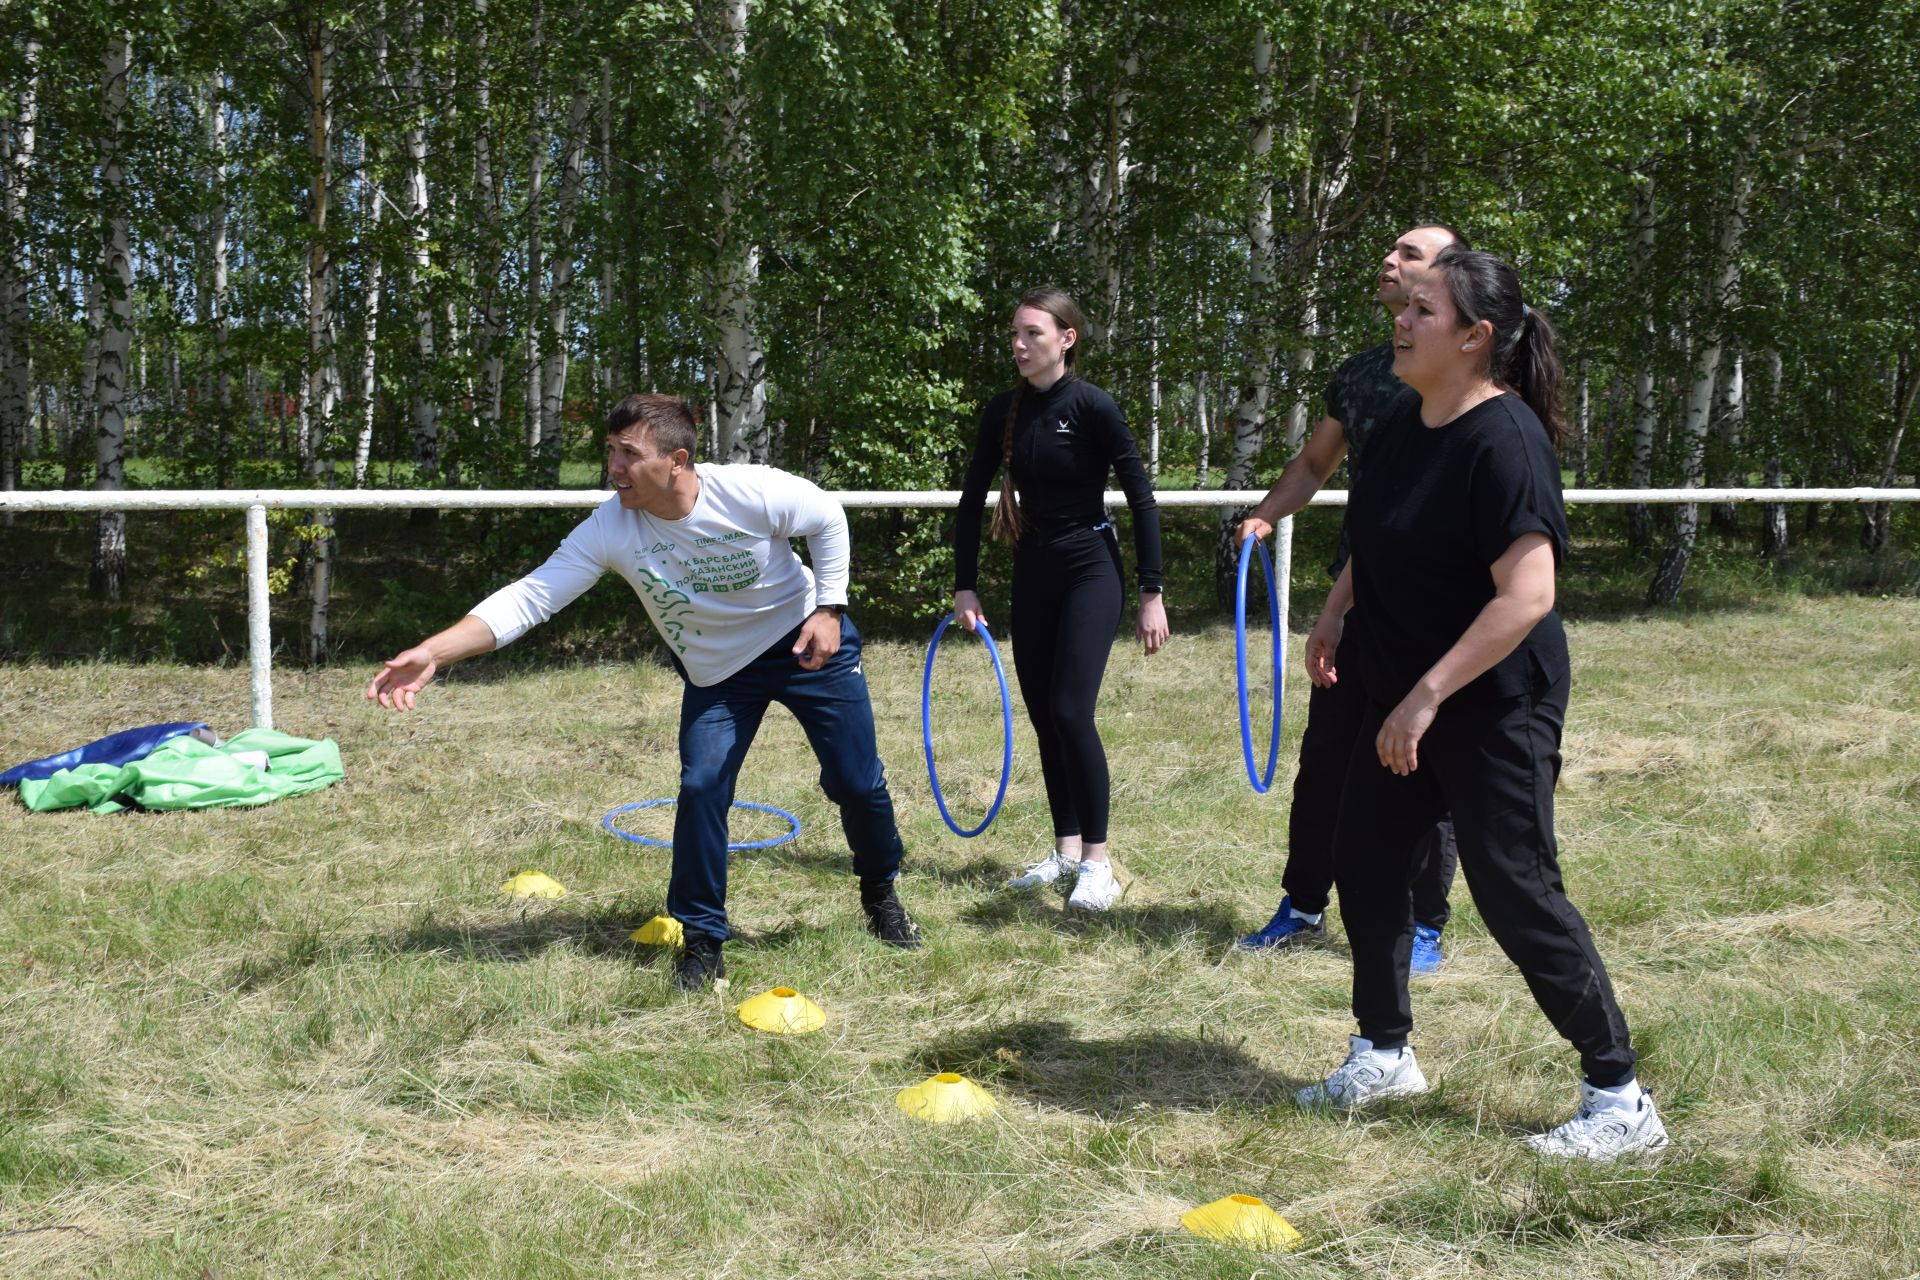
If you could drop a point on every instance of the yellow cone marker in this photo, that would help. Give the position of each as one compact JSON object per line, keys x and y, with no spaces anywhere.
{"x":784,"y":1012}
{"x":661,"y":931}
{"x":534,"y":884}
{"x":1243,"y":1220}
{"x":944,"y":1099}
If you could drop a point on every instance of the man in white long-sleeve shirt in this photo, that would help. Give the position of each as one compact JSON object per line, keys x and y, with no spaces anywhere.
{"x":707,"y":549}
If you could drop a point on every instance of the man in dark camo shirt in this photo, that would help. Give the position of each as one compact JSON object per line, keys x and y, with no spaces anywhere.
{"x":1362,"y":390}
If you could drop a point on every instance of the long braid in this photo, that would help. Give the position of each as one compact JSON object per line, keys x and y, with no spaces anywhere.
{"x":1006,"y":512}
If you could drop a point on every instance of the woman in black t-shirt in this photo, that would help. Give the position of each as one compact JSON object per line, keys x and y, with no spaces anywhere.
{"x":1059,"y":438}
{"x":1457,"y":527}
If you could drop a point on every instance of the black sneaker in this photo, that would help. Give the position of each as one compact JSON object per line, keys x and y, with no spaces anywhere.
{"x":699,"y":964}
{"x":887,"y":920}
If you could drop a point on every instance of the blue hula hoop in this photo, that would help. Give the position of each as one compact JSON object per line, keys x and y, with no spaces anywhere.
{"x":1006,"y":730}
{"x":1260,"y":784}
{"x":793,"y":833}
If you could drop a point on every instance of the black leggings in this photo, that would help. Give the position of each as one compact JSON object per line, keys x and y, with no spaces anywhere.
{"x":1066,"y":606}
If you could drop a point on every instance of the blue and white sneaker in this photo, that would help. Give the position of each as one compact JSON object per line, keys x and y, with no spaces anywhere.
{"x":1427,"y":956}
{"x":1287,"y":928}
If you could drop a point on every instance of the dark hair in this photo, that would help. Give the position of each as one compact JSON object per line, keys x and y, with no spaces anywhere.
{"x":1459,"y":237}
{"x":1524,"y":358}
{"x":1066,"y":313}
{"x":665,"y":420}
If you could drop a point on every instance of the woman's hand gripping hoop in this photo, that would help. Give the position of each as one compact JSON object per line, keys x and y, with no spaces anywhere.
{"x":792,"y":833}
{"x":1247,"y":548}
{"x":1006,"y":730}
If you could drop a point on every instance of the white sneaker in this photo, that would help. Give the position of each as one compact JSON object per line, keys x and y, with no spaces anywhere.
{"x":1612,"y":1124}
{"x":1094,"y":889}
{"x":1368,"y":1075}
{"x":1046,"y":871}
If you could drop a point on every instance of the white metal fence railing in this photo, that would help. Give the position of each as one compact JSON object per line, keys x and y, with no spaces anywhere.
{"x":257,"y":502}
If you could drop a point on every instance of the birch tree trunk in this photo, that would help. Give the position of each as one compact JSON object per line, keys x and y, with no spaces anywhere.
{"x":488,"y":197}
{"x":1773,"y":516}
{"x":16,"y":353}
{"x":426,"y":411}
{"x":322,"y":390}
{"x":1730,"y":409}
{"x":1203,"y":426}
{"x":572,"y":179}
{"x":369,"y":387}
{"x":1878,"y":531}
{"x":373,"y":198}
{"x":1299,"y":372}
{"x":1645,"y":414}
{"x":1583,"y":423}
{"x":83,"y":404}
{"x":1062,"y":151}
{"x":219,"y":290}
{"x":1250,"y":413}
{"x":1153,"y":403}
{"x":1616,"y":410}
{"x":1106,"y":184}
{"x":109,"y":568}
{"x":742,"y":390}
{"x":1722,"y":294}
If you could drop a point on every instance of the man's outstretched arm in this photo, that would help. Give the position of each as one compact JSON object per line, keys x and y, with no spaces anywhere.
{"x":407,"y":672}
{"x":1302,"y":479}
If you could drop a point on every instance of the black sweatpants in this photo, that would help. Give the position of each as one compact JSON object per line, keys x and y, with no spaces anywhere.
{"x":1066,"y":604}
{"x":1493,"y":765}
{"x":1333,"y":722}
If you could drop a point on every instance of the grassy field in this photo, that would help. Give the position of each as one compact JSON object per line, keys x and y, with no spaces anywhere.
{"x":310,"y":1040}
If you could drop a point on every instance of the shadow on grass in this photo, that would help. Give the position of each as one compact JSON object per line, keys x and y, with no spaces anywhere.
{"x":525,"y":935}
{"x":1046,"y":1061}
{"x":603,"y":931}
{"x":980,"y":875}
{"x":1160,"y":924}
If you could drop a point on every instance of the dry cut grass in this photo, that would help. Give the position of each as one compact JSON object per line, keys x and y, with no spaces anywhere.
{"x":310,"y":1040}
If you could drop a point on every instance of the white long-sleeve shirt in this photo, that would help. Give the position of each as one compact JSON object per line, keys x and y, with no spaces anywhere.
{"x":722,"y":585}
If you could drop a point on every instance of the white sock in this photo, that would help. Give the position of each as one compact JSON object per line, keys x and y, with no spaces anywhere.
{"x":1298,"y":914}
{"x":1625,"y":1097}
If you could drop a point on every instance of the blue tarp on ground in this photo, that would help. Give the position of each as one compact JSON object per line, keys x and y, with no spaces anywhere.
{"x":116,"y":748}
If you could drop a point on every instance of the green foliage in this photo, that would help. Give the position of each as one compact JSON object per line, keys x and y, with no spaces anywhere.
{"x":906,"y":170}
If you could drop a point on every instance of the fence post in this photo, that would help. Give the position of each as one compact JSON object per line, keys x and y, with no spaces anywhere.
{"x":259,"y":636}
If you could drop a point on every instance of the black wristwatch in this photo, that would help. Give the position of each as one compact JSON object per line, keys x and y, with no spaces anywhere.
{"x":837,"y":610}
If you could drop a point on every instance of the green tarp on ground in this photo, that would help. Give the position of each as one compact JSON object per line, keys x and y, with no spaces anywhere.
{"x":185,"y":773}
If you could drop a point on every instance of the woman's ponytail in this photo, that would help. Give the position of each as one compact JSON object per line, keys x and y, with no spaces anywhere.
{"x":1534,"y":371}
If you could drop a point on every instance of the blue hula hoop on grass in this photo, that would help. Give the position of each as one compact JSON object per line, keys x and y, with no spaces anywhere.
{"x":792,"y":833}
{"x":1260,"y":784}
{"x":1006,"y":730}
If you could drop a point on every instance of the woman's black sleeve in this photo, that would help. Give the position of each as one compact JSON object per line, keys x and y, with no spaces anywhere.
{"x":1134,"y":482}
{"x":1516,"y":490}
{"x":989,"y":443}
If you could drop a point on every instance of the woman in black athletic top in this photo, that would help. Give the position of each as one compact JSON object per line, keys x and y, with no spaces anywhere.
{"x":1457,"y":527}
{"x":1058,"y":438}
